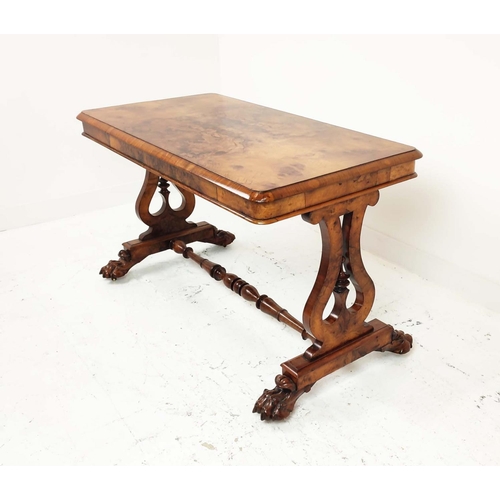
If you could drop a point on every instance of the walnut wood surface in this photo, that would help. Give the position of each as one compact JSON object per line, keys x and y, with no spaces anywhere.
{"x":260,"y":163}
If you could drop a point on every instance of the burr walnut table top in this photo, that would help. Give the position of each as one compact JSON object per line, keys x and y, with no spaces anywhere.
{"x":262,"y":164}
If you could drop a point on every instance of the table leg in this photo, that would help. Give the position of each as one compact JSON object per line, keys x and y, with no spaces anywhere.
{"x":165,"y":226}
{"x":342,"y":335}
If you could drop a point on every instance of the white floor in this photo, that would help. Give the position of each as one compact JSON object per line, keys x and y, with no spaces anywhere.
{"x":164,"y":366}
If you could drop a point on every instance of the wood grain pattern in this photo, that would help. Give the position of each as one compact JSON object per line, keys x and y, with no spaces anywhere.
{"x":262,"y":164}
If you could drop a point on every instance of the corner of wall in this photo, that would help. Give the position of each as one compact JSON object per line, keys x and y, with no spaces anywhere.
{"x":435,"y":269}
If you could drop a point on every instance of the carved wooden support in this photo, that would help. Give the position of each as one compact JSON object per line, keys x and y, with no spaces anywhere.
{"x":166,"y":225}
{"x":339,"y":336}
{"x":167,"y":220}
{"x":340,"y":226}
{"x":242,"y":288}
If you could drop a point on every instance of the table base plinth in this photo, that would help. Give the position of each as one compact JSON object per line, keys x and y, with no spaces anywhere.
{"x":300,"y":373}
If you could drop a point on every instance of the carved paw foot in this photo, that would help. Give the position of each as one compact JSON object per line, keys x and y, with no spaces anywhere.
{"x":278,"y":403}
{"x":401,"y":343}
{"x":221,"y":238}
{"x":117,"y":268}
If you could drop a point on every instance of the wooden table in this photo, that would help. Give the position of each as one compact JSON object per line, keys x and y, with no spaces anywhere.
{"x":265,"y":166}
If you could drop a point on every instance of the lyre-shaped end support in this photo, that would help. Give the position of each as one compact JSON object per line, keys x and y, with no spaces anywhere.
{"x":342,"y":335}
{"x":166,"y":220}
{"x":166,"y":225}
{"x":341,"y":264}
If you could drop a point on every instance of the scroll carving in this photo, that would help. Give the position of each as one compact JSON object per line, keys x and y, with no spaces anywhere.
{"x":278,"y":403}
{"x":220,"y":238}
{"x":401,"y":343}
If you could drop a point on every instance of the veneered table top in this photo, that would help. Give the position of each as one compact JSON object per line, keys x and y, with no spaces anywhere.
{"x":258,"y":162}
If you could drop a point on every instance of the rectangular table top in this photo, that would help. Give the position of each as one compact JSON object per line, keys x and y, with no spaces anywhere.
{"x":262,"y":164}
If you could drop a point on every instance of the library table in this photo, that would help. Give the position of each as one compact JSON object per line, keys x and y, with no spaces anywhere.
{"x":263,"y":165}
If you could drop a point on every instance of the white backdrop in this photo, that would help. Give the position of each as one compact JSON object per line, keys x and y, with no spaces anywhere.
{"x":48,"y":169}
{"x":437,"y":93}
